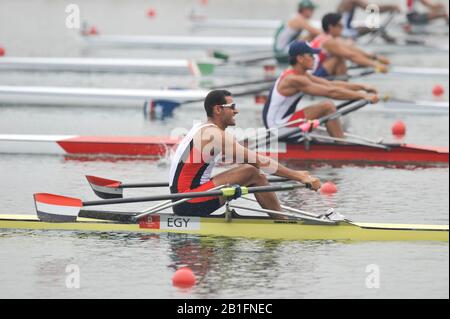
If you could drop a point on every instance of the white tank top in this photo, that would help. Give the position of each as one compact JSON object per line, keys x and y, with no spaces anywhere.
{"x":280,"y":108}
{"x":190,"y":169}
{"x":284,"y":38}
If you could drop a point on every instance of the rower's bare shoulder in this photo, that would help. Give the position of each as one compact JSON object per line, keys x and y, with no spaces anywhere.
{"x":211,"y":130}
{"x":210,"y":133}
{"x":299,"y":79}
{"x":297,"y":22}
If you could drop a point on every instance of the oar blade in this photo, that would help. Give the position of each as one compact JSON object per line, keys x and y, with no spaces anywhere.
{"x":105,"y":188}
{"x":57,"y":209}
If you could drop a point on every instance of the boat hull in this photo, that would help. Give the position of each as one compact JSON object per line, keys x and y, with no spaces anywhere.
{"x":258,"y":228}
{"x":156,"y":147}
{"x":177,"y":66}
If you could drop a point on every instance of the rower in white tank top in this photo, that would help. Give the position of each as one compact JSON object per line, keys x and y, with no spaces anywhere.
{"x":190,"y":167}
{"x":191,"y":171}
{"x":280,"y":109}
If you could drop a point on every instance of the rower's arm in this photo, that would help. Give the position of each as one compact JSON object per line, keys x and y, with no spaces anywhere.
{"x":336,"y":48}
{"x":389,"y":8}
{"x":376,"y":57}
{"x":342,"y":84}
{"x":363,"y":4}
{"x":430,"y":4}
{"x":300,"y":23}
{"x":243,"y":155}
{"x":326,"y":89}
{"x":313,"y":31}
{"x":361,"y":51}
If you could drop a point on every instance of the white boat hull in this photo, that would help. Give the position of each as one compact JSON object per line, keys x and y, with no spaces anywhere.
{"x":100,"y":65}
{"x":91,"y":96}
{"x":180,"y":42}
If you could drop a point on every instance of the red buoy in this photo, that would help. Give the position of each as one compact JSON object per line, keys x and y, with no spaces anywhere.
{"x":151,"y":13}
{"x":399,"y":128}
{"x":184,"y":278}
{"x":2,"y":51}
{"x":328,"y":188}
{"x":93,"y":31}
{"x":438,"y":90}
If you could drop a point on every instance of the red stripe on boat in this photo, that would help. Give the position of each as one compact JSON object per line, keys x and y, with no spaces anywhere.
{"x":397,"y":154}
{"x":137,"y":146}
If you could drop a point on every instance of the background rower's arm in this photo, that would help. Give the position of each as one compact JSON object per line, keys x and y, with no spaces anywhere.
{"x":342,"y":84}
{"x":338,"y":49}
{"x":306,"y":85}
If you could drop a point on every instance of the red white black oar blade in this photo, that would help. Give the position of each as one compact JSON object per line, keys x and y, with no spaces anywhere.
{"x":57,"y":209}
{"x":105,"y":188}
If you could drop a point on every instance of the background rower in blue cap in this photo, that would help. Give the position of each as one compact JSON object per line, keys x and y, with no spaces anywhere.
{"x":282,"y":105}
{"x":292,"y":30}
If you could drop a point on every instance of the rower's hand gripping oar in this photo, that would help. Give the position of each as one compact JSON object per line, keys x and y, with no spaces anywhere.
{"x":56,"y":208}
{"x":109,"y":188}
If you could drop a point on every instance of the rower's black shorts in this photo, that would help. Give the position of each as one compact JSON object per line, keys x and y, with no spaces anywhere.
{"x":418,"y":18}
{"x":202,"y":209}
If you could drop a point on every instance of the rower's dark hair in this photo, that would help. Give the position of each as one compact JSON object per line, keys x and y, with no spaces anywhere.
{"x":330,"y":19}
{"x":216,"y":97}
{"x":292,"y":60}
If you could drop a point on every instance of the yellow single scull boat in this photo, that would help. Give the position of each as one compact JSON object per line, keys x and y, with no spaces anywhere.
{"x":243,"y":227}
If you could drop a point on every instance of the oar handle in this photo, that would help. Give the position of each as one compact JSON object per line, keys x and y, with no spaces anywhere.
{"x":344,"y":104}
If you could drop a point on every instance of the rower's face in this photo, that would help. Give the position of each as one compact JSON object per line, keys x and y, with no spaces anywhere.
{"x":307,"y":13}
{"x":306,"y":61}
{"x":228,"y":114}
{"x":336,"y":30}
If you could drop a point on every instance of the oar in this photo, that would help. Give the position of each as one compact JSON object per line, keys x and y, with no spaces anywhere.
{"x":242,"y":57}
{"x":347,"y":77}
{"x":56,"y":208}
{"x":388,"y":98}
{"x":109,"y":188}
